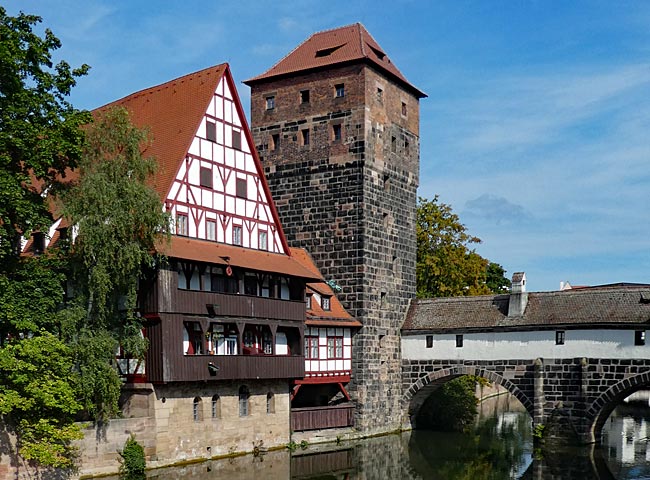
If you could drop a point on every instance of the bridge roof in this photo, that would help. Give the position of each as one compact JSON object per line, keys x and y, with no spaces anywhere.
{"x":611,"y":305}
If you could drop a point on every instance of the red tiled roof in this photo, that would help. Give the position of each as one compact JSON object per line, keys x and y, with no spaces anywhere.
{"x":342,"y":45}
{"x":219,"y":253}
{"x":606,"y":305}
{"x":172,"y":112}
{"x":316,"y":316}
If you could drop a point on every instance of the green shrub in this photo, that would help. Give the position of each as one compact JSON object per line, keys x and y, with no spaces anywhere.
{"x":133,"y":463}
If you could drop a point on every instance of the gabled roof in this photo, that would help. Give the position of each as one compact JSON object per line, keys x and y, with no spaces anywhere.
{"x":343,"y":45}
{"x":172,"y":112}
{"x":594,"y":307}
{"x":336,"y":316}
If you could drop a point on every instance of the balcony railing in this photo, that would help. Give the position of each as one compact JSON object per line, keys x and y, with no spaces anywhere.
{"x":188,"y":368}
{"x":193,"y":302}
{"x":316,"y":418}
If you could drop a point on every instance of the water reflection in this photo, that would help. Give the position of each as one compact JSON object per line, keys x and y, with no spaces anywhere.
{"x":500,"y":448}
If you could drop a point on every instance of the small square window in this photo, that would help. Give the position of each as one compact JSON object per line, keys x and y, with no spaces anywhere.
{"x":326,"y":304}
{"x":340,"y":90}
{"x":211,"y":230}
{"x":304,"y":137}
{"x":336,"y":132}
{"x":429,"y":341}
{"x":304,"y":96}
{"x":237,"y":235}
{"x":559,"y":337}
{"x":459,"y":341}
{"x":181,"y":224}
{"x":404,"y":111}
{"x":270,"y":102}
{"x":241,"y":187}
{"x":211,"y":131}
{"x":236,"y":139}
{"x":275,"y":141}
{"x":205,"y":177}
{"x":639,"y":337}
{"x":262,"y":240}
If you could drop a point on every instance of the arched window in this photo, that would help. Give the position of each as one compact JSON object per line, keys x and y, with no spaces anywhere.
{"x":216,"y":406}
{"x":196,"y":409}
{"x":244,"y":396}
{"x":270,"y":403}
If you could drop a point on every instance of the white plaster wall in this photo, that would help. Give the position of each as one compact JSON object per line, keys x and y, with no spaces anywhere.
{"x":525,"y":345}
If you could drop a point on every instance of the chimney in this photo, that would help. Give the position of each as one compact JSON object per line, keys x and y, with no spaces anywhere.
{"x":518,"y":295}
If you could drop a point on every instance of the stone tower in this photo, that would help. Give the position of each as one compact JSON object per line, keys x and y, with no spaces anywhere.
{"x":336,"y":125}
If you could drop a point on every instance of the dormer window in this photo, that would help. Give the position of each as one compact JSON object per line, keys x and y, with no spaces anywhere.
{"x":308,"y":302}
{"x":326,"y":303}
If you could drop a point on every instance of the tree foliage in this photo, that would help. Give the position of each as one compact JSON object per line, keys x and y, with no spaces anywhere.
{"x":118,"y":219}
{"x":452,"y":407}
{"x":447,"y":266}
{"x":39,"y":129}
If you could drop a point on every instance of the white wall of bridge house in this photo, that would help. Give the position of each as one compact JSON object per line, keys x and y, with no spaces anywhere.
{"x":220,"y":203}
{"x":526,"y":345}
{"x":324,"y":364}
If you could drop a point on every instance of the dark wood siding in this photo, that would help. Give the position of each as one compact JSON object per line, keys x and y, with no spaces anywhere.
{"x":315,"y":418}
{"x":233,"y":367}
{"x":154,"y":362}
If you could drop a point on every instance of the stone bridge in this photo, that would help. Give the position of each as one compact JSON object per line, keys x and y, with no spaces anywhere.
{"x":572,"y":397}
{"x":569,"y":356}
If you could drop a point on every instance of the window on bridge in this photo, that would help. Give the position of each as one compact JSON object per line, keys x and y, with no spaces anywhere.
{"x":459,"y":341}
{"x":559,"y":337}
{"x":639,"y":337}
{"x":429,"y":341}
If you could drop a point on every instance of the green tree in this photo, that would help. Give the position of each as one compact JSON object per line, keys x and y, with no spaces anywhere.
{"x":38,"y":398}
{"x":118,"y":219}
{"x":446,"y":264}
{"x":39,"y":130}
{"x":496,"y":279}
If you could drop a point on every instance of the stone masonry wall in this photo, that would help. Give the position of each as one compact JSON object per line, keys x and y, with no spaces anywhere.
{"x":351,"y":204}
{"x":572,"y":397}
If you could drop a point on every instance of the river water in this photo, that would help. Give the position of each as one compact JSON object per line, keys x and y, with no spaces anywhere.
{"x":499,"y":448}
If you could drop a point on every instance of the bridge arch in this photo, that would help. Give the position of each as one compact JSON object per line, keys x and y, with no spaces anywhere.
{"x":419,"y":391}
{"x":601,"y":408}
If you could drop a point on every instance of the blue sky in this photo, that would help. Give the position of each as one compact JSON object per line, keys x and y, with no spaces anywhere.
{"x":536,"y":129}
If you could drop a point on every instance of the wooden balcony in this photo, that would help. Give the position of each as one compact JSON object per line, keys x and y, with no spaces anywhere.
{"x":316,"y":418}
{"x":163,"y":296}
{"x":189,"y":368}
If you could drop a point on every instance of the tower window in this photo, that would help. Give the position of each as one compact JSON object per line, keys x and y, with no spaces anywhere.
{"x":380,"y":95}
{"x":270,"y":102}
{"x":236,"y":139}
{"x":339,"y":90}
{"x":304,"y":96}
{"x":393,"y":144}
{"x":407,"y":147}
{"x":336,"y":132}
{"x":205,"y":177}
{"x":304,"y":136}
{"x":404,"y":109}
{"x":211,"y":131}
{"x":275,"y":141}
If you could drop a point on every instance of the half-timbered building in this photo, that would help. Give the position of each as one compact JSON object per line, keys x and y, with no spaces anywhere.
{"x":224,"y":311}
